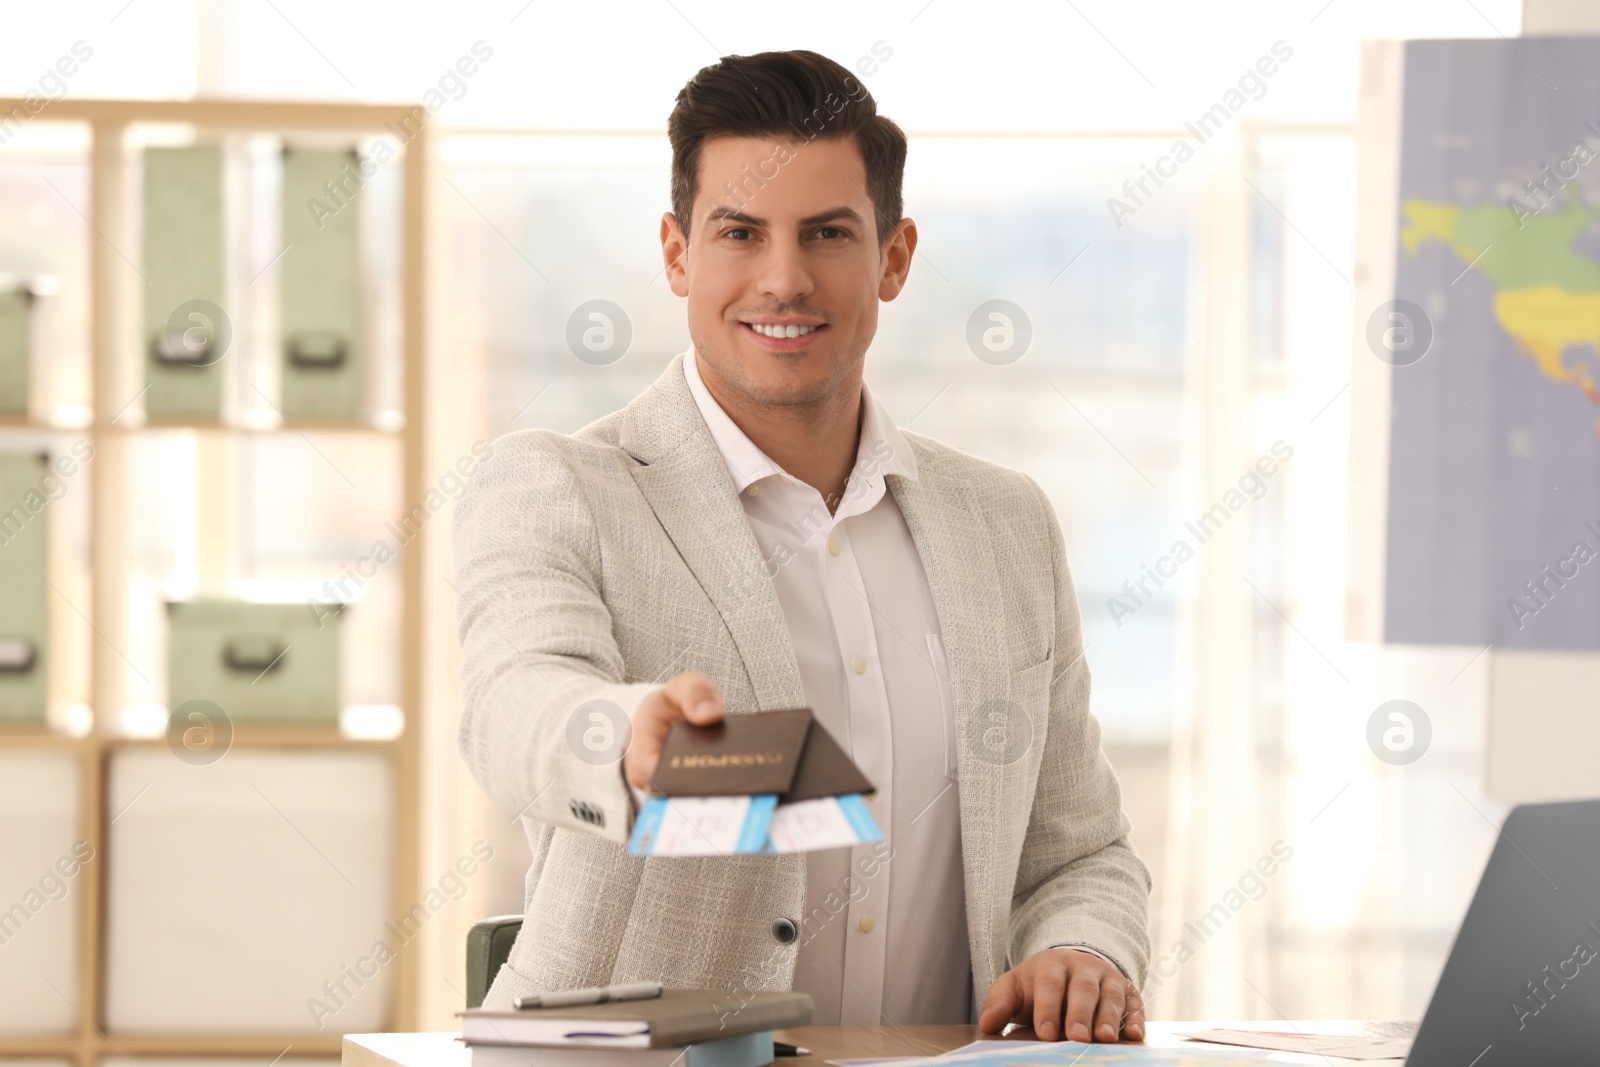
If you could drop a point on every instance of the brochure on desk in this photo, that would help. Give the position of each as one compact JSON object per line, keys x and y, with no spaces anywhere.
{"x":1078,"y":1054}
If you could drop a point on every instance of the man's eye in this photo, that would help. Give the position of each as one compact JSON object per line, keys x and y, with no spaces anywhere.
{"x":832,"y":231}
{"x":734,"y":231}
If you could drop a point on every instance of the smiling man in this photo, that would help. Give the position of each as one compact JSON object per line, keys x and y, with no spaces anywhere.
{"x":753,"y":532}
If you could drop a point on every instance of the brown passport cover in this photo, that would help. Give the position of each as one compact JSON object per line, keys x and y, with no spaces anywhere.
{"x":826,"y":770}
{"x":741,"y":756}
{"x":735,"y":759}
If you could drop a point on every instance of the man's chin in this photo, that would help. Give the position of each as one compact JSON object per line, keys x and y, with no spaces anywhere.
{"x":784,"y":377}
{"x":785,"y":392}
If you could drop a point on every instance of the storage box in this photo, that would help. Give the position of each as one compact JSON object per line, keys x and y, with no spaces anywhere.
{"x":43,"y":869}
{"x":256,"y":662}
{"x":239,"y":893}
{"x":320,"y":286}
{"x":16,"y":306}
{"x":25,"y":496}
{"x":187,"y":332}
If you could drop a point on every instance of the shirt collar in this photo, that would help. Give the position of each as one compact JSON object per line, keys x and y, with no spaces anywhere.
{"x":881,"y":450}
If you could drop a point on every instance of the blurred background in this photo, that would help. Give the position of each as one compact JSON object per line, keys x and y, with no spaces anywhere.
{"x":193,"y":870}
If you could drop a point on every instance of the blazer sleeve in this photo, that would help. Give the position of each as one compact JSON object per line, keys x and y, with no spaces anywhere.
{"x":1079,"y":881}
{"x":545,"y":710}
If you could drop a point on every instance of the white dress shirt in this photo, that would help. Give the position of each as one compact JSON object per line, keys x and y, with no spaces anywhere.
{"x":866,"y":637}
{"x":891,"y":948}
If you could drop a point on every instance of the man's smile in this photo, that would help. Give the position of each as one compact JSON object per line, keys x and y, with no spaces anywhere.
{"x":783,"y":335}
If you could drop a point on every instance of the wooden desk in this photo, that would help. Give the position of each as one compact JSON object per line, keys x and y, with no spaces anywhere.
{"x":831,"y":1042}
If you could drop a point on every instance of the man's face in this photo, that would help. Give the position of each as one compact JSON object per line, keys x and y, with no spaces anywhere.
{"x":790,"y":248}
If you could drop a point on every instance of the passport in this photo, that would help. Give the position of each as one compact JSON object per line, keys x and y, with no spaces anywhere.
{"x":743,"y":755}
{"x":785,"y":752}
{"x":766,"y":782}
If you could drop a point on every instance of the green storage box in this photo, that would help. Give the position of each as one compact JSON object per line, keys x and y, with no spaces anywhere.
{"x":320,"y":286}
{"x":15,"y":306}
{"x":256,"y":662}
{"x":186,"y":330}
{"x":24,"y":525}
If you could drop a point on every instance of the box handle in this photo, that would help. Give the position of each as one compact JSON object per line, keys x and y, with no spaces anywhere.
{"x":172,"y":349}
{"x":17,"y":655}
{"x":317,"y":350}
{"x":254,"y":654}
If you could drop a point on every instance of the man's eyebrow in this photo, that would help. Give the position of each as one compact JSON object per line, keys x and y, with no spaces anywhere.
{"x":734,"y":215}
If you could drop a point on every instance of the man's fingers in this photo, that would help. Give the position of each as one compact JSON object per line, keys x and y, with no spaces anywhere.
{"x":690,"y":696}
{"x":1083,"y":994}
{"x":644,"y":752}
{"x":1133,"y":1016}
{"x":1049,"y":983}
{"x":696,"y":697}
{"x":1108,"y":1017}
{"x":1002,"y":1004}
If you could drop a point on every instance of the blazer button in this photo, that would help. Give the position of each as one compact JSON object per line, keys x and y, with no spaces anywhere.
{"x":783,"y":931}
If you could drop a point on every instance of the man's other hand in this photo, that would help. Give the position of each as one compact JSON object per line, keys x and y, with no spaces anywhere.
{"x":688,"y":697}
{"x":1096,"y":997}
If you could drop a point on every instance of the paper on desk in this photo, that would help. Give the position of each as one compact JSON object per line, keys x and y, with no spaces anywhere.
{"x":1071,"y":1054}
{"x":950,"y":1057}
{"x":1350,"y":1047}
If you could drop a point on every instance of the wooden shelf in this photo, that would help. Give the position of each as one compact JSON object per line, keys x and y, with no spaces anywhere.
{"x":18,"y":422}
{"x":267,"y":116}
{"x":24,"y":422}
{"x":299,"y":426}
{"x":114,"y":365}
{"x":32,"y":736}
{"x":256,"y":737}
{"x":65,"y":1046}
{"x":115,"y":1043}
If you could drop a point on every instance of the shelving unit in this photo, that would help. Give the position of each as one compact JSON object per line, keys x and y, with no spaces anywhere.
{"x":113,"y":332}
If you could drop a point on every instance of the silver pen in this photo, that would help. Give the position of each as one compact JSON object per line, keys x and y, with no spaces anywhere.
{"x":570,"y":998}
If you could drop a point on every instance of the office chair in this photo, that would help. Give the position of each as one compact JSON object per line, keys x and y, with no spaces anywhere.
{"x":488,"y":945}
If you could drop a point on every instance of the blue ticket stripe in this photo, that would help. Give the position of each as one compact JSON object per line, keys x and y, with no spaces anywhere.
{"x":757,"y":820}
{"x":855,"y":813}
{"x":646,"y":826}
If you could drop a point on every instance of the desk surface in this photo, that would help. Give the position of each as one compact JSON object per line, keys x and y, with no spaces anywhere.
{"x":831,"y":1042}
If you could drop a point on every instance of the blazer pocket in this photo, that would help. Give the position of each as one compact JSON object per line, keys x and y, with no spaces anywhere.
{"x":1029,"y":677}
{"x":1030,"y":697}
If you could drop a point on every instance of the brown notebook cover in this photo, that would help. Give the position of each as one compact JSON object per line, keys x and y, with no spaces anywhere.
{"x":741,"y":756}
{"x":676,"y":1017}
{"x":786,"y":752}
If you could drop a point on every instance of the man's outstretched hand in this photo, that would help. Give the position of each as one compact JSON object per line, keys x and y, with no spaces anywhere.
{"x":688,"y":697}
{"x":1097,"y":1000}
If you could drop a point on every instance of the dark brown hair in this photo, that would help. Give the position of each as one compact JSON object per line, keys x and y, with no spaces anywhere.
{"x":788,"y":94}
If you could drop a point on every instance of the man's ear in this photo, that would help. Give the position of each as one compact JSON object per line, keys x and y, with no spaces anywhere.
{"x":897,"y":252}
{"x":674,"y":247}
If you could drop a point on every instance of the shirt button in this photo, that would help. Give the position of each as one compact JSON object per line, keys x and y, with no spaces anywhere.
{"x":866,"y":924}
{"x":833,"y":546}
{"x":784,"y":931}
{"x":754,"y":490}
{"x":858,"y":665}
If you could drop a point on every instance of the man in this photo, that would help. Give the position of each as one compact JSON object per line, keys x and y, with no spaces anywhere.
{"x":752,"y":533}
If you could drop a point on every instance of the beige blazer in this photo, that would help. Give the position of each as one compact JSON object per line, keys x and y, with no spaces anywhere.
{"x":593,"y":567}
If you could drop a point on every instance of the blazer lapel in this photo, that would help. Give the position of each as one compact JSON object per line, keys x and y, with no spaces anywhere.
{"x":954,"y":545}
{"x":686,"y":483}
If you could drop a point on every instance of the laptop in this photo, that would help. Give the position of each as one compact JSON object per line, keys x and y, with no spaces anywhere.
{"x":1522,"y":983}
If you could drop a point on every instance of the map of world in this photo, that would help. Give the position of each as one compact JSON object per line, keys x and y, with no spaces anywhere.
{"x":1493,"y":532}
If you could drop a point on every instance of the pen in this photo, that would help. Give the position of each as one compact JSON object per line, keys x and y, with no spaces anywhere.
{"x":783,"y":1048}
{"x":569,"y":998}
